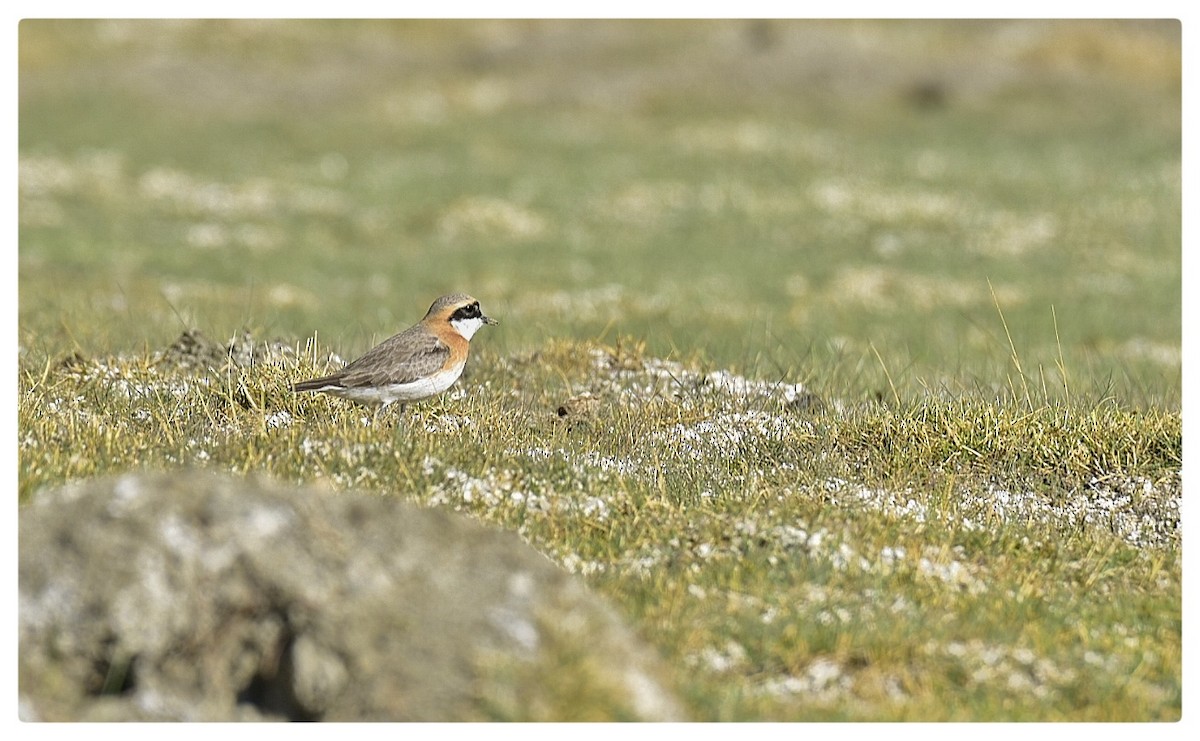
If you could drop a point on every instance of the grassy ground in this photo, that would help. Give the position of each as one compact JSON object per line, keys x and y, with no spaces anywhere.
{"x":963,"y":239}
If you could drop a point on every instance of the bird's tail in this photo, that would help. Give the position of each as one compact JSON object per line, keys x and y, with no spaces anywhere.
{"x":315,"y":384}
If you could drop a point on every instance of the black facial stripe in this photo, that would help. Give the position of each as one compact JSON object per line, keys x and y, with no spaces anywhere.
{"x":471,"y":311}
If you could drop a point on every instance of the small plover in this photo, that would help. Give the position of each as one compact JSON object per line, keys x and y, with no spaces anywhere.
{"x":422,"y":361}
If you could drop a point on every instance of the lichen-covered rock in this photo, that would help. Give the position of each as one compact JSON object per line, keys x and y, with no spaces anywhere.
{"x":189,"y":596}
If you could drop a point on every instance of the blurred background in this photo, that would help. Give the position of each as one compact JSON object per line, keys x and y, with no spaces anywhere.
{"x":826,"y":201}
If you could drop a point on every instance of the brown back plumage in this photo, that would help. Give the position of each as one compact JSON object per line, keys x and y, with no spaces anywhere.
{"x":423,"y":354}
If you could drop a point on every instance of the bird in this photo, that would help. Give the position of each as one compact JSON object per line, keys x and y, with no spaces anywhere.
{"x":422,"y":361}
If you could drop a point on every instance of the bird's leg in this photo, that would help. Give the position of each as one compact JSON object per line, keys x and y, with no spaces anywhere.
{"x":402,"y":416}
{"x":378,"y":411}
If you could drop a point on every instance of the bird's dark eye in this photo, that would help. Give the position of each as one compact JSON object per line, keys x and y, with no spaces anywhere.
{"x":470,"y":311}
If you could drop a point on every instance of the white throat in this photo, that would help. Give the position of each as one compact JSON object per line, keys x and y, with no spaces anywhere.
{"x":467,"y":327}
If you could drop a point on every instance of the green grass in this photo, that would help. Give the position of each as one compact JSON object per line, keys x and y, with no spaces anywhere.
{"x":944,"y":559}
{"x":964,"y":238}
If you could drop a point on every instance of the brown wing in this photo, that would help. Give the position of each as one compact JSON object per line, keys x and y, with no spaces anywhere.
{"x":403,"y":358}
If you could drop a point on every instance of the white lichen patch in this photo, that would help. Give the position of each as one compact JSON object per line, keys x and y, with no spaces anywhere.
{"x":894,"y":504}
{"x":952,"y":570}
{"x":1140,"y":512}
{"x":726,"y":434}
{"x":280,"y":418}
{"x":635,"y":382}
{"x":822,"y":681}
{"x":439,"y":423}
{"x":727,"y":658}
{"x":1014,"y":669}
{"x":493,"y":489}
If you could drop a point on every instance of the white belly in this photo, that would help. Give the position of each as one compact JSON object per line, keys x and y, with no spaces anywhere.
{"x":402,"y":392}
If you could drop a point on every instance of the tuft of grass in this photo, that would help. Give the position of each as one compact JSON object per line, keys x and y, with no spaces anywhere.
{"x":1058,"y":442}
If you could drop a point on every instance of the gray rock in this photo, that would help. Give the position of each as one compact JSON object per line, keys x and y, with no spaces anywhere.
{"x":189,"y":596}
